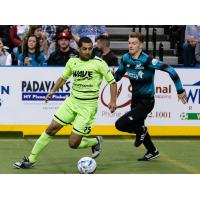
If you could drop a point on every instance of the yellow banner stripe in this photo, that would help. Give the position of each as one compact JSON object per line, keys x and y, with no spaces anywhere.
{"x":108,"y":130}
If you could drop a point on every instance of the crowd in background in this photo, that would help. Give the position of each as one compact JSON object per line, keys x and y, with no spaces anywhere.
{"x":191,"y":46}
{"x":46,"y":45}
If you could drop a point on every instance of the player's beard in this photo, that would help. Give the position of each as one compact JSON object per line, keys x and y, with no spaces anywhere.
{"x":85,"y":58}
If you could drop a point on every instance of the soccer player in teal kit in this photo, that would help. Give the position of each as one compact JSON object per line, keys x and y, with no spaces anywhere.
{"x":140,"y":69}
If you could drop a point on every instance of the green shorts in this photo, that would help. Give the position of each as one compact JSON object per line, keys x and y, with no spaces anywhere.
{"x":80,"y":113}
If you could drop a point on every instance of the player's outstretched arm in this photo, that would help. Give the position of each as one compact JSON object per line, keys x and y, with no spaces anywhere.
{"x":113,"y":97}
{"x":182,"y":97}
{"x":156,"y":64}
{"x":59,"y":83}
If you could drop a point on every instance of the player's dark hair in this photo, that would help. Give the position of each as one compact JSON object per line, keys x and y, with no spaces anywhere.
{"x":137,"y":35}
{"x":105,"y":39}
{"x":84,"y":40}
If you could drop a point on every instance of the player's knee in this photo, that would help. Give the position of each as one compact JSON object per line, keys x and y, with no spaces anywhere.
{"x":119,"y":126}
{"x":51,"y":130}
{"x":73,"y":144}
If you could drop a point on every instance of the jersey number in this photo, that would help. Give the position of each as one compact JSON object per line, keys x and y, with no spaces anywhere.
{"x":87,"y":129}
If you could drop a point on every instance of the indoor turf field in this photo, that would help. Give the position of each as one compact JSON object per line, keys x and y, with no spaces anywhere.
{"x":119,"y":156}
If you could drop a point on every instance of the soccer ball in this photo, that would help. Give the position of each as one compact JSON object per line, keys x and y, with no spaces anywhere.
{"x":86,"y":165}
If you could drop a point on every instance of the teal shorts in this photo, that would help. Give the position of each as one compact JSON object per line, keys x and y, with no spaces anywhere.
{"x":80,"y":113}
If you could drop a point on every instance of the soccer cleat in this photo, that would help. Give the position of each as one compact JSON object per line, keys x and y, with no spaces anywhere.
{"x":139,"y":138}
{"x":96,"y":149}
{"x":24,"y":164}
{"x":149,"y":156}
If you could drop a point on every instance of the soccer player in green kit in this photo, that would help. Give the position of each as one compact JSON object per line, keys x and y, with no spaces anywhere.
{"x":80,"y":108}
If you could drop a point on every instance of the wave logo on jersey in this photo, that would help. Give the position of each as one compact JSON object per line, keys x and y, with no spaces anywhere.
{"x":82,"y":75}
{"x":154,"y":61}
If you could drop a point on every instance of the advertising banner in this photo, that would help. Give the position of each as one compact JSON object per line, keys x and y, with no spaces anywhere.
{"x":168,"y":111}
{"x":22,"y":92}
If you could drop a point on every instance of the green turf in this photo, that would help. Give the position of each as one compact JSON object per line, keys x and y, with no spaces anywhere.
{"x":178,"y":156}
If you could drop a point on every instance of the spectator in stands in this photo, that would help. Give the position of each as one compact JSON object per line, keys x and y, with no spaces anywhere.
{"x":41,"y":36}
{"x":31,"y":54}
{"x":17,"y":33}
{"x":177,"y":39}
{"x":4,"y":34}
{"x":61,"y":29}
{"x":51,"y":31}
{"x":5,"y":57}
{"x":63,"y":51}
{"x":192,"y":36}
{"x":91,"y":31}
{"x":103,"y":44}
{"x":197,"y":54}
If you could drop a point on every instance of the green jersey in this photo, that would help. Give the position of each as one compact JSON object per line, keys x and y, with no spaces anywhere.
{"x":87,"y":76}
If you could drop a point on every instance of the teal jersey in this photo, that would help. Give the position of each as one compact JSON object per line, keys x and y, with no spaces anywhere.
{"x":141,"y":73}
{"x":87,"y":76}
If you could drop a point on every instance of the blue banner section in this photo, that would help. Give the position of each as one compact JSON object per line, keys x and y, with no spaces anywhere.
{"x":40,"y":96}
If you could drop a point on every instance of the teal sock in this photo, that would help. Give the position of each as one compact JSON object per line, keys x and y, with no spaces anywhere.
{"x":40,"y":144}
{"x":87,"y":142}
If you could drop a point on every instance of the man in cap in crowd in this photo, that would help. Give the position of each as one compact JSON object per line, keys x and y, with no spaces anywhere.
{"x":63,"y":51}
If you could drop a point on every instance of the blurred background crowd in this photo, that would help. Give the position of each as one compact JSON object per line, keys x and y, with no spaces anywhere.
{"x":53,"y":45}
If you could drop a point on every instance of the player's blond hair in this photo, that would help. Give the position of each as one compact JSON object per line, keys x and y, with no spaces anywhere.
{"x":137,"y":35}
